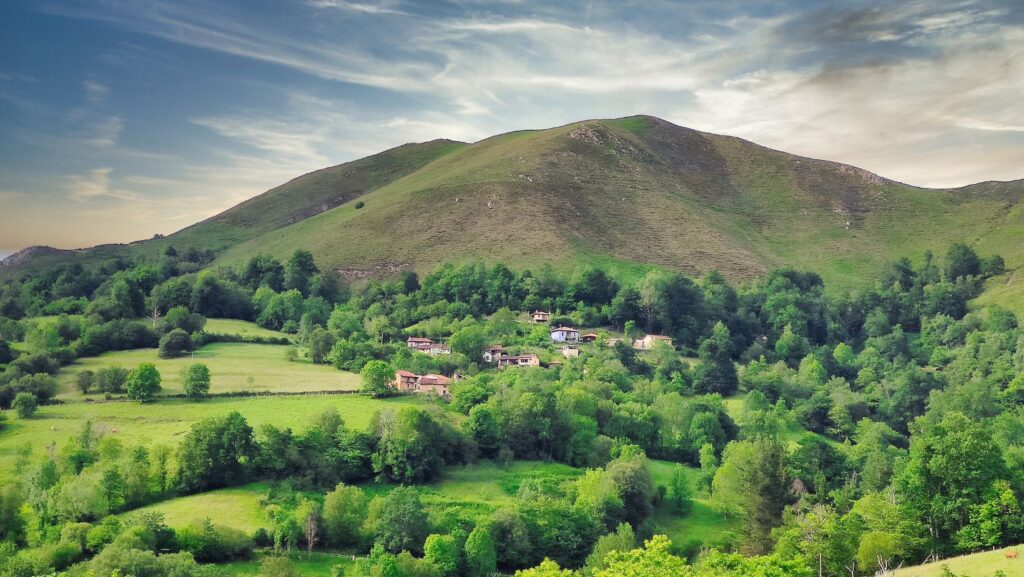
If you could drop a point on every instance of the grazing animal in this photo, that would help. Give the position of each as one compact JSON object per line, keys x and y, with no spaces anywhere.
{"x":1011,"y":554}
{"x":114,"y":430}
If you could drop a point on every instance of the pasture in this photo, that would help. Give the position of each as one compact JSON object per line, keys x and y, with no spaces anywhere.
{"x":983,"y":564}
{"x":308,"y":565}
{"x":234,"y":367}
{"x":168,"y":420}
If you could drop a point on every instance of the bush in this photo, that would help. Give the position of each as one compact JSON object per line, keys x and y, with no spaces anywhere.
{"x":181,"y":318}
{"x":25,"y":404}
{"x":84,"y":381}
{"x":143,"y":383}
{"x":360,"y":204}
{"x":174,"y":344}
{"x":111,"y":379}
{"x":212,"y":544}
{"x":196,"y":381}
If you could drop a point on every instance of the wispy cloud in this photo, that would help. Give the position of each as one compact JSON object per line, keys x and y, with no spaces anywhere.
{"x":87,"y":186}
{"x":364,"y":7}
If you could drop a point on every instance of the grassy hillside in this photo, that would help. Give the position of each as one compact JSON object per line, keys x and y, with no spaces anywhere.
{"x":633,"y":192}
{"x":641,"y":190}
{"x":984,"y":564}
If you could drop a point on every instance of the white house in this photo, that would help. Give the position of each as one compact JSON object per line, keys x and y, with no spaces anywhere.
{"x":565,"y":335}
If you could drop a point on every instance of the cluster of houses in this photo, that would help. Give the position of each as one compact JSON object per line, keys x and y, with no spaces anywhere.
{"x":568,"y":337}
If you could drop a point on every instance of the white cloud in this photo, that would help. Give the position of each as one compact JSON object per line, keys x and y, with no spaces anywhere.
{"x":95,"y":92}
{"x":87,"y":186}
{"x":106,"y":132}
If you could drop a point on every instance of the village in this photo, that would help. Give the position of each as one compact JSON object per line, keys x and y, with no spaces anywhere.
{"x":566,"y":340}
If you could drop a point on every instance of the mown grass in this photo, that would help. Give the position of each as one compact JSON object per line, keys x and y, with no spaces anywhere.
{"x":233,"y":367}
{"x":984,"y":564}
{"x":168,"y":420}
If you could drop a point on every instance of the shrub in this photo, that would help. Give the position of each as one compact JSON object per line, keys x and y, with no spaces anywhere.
{"x":25,"y":404}
{"x":196,"y":381}
{"x":143,"y":383}
{"x":212,"y":544}
{"x":111,"y":379}
{"x":174,"y":343}
{"x":84,"y":381}
{"x":360,"y":204}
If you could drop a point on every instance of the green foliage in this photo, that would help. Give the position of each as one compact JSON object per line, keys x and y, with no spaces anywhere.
{"x":377,"y":377}
{"x":25,"y":405}
{"x":480,"y":555}
{"x":752,"y":484}
{"x":443,"y":552}
{"x":344,"y":513}
{"x":398,"y":520}
{"x":174,"y":344}
{"x":680,"y":493}
{"x":196,"y":381}
{"x":143,"y":383}
{"x":216,"y":452}
{"x":653,"y":560}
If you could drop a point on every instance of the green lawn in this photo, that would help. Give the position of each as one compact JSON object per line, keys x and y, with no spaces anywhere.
{"x":167,"y":421}
{"x":984,"y":564}
{"x":233,"y":367}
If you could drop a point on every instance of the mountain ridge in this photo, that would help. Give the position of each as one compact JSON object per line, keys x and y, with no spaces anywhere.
{"x":636,"y":191}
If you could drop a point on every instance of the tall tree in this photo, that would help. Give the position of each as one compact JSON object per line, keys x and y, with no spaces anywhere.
{"x":717,"y":371}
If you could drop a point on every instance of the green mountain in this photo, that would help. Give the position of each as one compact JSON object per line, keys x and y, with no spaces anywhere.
{"x":636,"y":190}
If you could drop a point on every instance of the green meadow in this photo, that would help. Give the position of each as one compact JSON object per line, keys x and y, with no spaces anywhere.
{"x":168,"y":420}
{"x":983,"y":564}
{"x":234,"y":367}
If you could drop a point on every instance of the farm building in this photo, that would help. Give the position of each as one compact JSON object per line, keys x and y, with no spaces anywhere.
{"x":492,"y":353}
{"x":419,"y":343}
{"x":409,"y":382}
{"x":540,"y":316}
{"x":528,"y":360}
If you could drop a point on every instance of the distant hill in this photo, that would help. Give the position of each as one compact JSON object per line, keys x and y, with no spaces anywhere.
{"x":636,"y":190}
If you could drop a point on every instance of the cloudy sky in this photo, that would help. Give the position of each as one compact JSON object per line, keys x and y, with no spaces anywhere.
{"x":124,"y":119}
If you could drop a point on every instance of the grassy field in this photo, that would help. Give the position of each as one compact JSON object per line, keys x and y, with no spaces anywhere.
{"x":233,"y":367}
{"x":237,"y":327}
{"x":984,"y":564}
{"x":315,"y":565}
{"x":236,"y":507}
{"x":168,"y":420}
{"x":703,"y":524}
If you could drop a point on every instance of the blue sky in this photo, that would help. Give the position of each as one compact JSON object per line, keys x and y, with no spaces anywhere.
{"x":125,"y":119}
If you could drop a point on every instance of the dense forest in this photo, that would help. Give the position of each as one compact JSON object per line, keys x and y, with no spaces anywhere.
{"x":910,"y":403}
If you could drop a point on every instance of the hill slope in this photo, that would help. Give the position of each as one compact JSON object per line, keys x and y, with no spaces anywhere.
{"x":643,"y":190}
{"x":636,"y":190}
{"x":983,"y":564}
